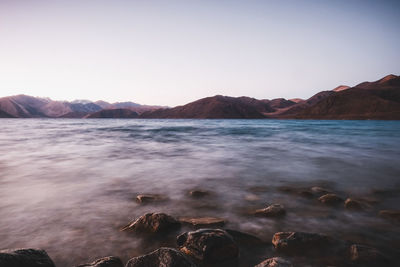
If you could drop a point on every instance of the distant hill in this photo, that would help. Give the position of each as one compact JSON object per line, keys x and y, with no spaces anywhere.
{"x":367,"y":100}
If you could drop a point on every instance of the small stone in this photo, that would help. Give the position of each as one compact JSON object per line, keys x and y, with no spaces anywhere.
{"x":153,"y":223}
{"x":275,"y":262}
{"x":203,"y":221}
{"x":390,"y":214}
{"x":25,"y":258}
{"x":165,"y":257}
{"x":299,"y":241}
{"x":209,"y":245}
{"x":352,"y":204}
{"x":105,"y":262}
{"x":367,"y":255}
{"x":274,"y":210}
{"x":330,"y":199}
{"x":319,"y":190}
{"x":251,"y":197}
{"x":146,"y":198}
{"x":198,"y":193}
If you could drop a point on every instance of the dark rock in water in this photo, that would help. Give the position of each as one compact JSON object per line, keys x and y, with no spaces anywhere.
{"x":25,"y":258}
{"x":319,"y":190}
{"x":209,"y":246}
{"x":275,"y":262}
{"x":390,"y":214}
{"x":274,"y":210}
{"x":330,"y":199}
{"x":244,"y":238}
{"x":146,"y":198}
{"x":165,"y":257}
{"x":153,"y":223}
{"x":295,"y":242}
{"x":352,"y":204}
{"x":105,"y":262}
{"x":367,"y":256}
{"x":199,"y":193}
{"x":203,"y":221}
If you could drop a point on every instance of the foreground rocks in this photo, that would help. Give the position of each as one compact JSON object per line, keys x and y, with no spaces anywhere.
{"x":390,"y":214}
{"x":275,"y":262}
{"x":274,"y":210}
{"x":165,"y":257}
{"x":203,"y":221}
{"x":105,"y":262}
{"x":25,"y":258}
{"x":199,"y":193}
{"x":210,"y":246}
{"x":330,"y":199}
{"x":147,"y":198}
{"x":300,"y":242}
{"x":352,"y":204}
{"x":153,"y":223}
{"x":367,"y":256}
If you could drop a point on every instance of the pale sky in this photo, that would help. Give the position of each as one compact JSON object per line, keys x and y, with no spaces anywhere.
{"x":173,"y":52}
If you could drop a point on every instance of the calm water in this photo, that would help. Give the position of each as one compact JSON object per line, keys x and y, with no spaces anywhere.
{"x":67,"y":186}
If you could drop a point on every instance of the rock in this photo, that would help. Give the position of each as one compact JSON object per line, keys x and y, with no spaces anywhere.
{"x":146,"y":198}
{"x":330,"y":199}
{"x":390,"y":214}
{"x":352,"y":204}
{"x":25,"y":258}
{"x":368,"y":256}
{"x":209,"y":246}
{"x":275,"y":262}
{"x":319,"y":190}
{"x":153,"y":223}
{"x":251,"y":197}
{"x":198,"y":193}
{"x":165,"y":257}
{"x":300,"y":242}
{"x":274,"y":210}
{"x":203,"y":221}
{"x":245,"y":238}
{"x":105,"y":262}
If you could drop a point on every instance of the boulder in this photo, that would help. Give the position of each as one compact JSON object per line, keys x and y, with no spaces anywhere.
{"x":390,"y":214}
{"x":203,"y":221}
{"x":330,"y":199}
{"x":25,"y":258}
{"x":153,"y":223}
{"x":275,"y":262}
{"x":209,"y":246}
{"x":165,"y":257}
{"x":368,"y":256}
{"x":294,"y":242}
{"x":147,"y":198}
{"x":105,"y":262}
{"x":352,"y":204}
{"x":274,"y":210}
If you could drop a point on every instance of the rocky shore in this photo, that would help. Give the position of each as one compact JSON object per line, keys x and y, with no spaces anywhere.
{"x":209,"y":243}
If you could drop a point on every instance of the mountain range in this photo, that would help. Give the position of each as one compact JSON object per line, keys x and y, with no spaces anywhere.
{"x":367,"y":100}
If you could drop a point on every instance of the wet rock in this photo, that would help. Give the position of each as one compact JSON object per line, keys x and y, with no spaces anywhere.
{"x":199,"y":193}
{"x":275,"y":262}
{"x":25,"y":258}
{"x":353,"y":204}
{"x":147,"y":198}
{"x":274,"y":210}
{"x":105,"y":262}
{"x":242,"y":238}
{"x":368,"y":256}
{"x":330,"y":199}
{"x":319,"y":190}
{"x":251,"y":197}
{"x":153,"y":223}
{"x":390,"y":214}
{"x":203,"y":221}
{"x":165,"y":257}
{"x":294,"y":242}
{"x":209,"y":246}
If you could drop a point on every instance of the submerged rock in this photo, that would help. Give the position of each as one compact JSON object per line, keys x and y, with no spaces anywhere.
{"x":105,"y":262}
{"x":153,"y":223}
{"x":203,"y":221}
{"x":330,"y":199}
{"x":25,"y":258}
{"x":147,"y":198}
{"x":294,"y":242}
{"x":274,"y":210}
{"x":352,"y":204}
{"x":165,"y":257}
{"x":390,"y":214}
{"x":275,"y":262}
{"x":368,"y":256}
{"x":209,"y":246}
{"x":199,"y":193}
{"x":319,"y":190}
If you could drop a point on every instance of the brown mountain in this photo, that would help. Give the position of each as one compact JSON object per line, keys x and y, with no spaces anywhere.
{"x":216,"y":107}
{"x":113,"y":114}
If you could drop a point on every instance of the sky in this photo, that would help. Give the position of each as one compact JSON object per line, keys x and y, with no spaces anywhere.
{"x":174,"y":52}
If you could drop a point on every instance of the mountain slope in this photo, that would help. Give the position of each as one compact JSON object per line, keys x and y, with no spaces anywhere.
{"x":113,"y":114}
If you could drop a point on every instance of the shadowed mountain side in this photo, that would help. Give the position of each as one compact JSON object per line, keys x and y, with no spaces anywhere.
{"x":113,"y":114}
{"x":216,"y":107}
{"x":279,"y":103}
{"x":4,"y":114}
{"x":387,"y":82}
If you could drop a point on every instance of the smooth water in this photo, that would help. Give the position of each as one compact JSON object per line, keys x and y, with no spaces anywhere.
{"x":67,"y":186}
